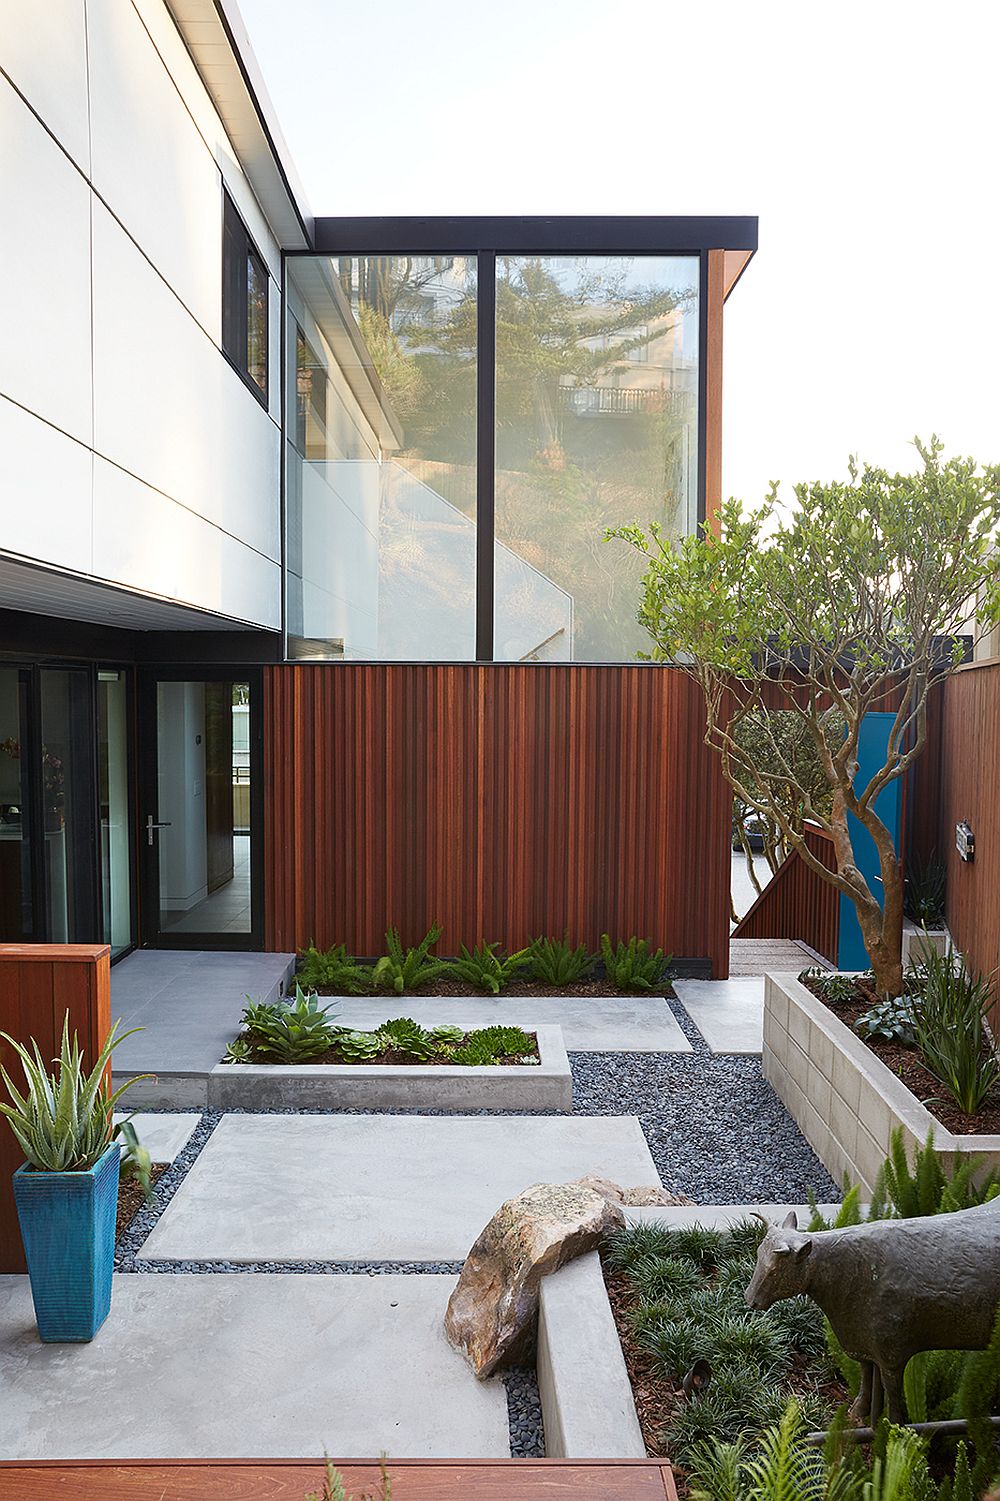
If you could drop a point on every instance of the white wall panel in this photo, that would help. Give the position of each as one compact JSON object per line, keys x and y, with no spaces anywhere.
{"x":148,"y":542}
{"x":43,"y":50}
{"x":45,"y":286}
{"x":45,"y":492}
{"x":167,"y":405}
{"x":149,"y":162}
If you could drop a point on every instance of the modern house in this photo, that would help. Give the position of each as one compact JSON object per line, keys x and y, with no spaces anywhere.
{"x":307,"y":623}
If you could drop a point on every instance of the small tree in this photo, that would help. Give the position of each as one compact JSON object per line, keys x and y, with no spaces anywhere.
{"x":858,"y":601}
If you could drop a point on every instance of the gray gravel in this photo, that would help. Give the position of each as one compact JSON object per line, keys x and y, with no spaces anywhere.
{"x":524,"y":1413}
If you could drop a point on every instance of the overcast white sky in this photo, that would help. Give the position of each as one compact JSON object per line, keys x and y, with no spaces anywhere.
{"x":864,"y":135}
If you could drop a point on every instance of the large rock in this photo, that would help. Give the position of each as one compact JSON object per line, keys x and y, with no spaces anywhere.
{"x":644,"y":1195}
{"x":493,"y":1313}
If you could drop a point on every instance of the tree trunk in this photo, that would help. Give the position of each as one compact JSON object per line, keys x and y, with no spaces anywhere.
{"x":881,"y":926}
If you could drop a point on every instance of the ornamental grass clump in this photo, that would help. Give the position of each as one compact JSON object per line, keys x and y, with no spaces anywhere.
{"x":949,"y":1021}
{"x":63,"y":1122}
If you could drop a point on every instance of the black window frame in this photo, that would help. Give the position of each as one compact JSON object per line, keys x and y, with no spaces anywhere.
{"x":239,"y":255}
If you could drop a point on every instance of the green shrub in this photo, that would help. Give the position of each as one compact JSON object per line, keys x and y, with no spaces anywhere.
{"x":332,"y":969}
{"x":291,"y":1031}
{"x":832,"y":987}
{"x":486,"y":969}
{"x":406,"y":1036}
{"x":555,"y":962}
{"x":890,"y":1020}
{"x":403,"y":970}
{"x":949,"y":1015}
{"x":63,"y":1122}
{"x":634,"y":965}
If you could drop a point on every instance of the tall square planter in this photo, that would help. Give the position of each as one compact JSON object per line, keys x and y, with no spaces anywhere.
{"x":68,"y":1227}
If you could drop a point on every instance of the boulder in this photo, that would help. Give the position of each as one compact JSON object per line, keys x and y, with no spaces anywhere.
{"x":645,"y":1194}
{"x":492,"y":1315}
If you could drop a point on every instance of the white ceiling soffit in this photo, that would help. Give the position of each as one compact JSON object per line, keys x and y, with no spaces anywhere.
{"x":68,"y":596}
{"x":219,"y":44}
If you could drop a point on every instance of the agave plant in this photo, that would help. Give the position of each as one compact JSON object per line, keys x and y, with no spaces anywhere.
{"x":136,"y":1163}
{"x":292,"y":1031}
{"x":64,"y":1122}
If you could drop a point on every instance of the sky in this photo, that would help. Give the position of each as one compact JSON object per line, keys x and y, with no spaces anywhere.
{"x":864,"y":136}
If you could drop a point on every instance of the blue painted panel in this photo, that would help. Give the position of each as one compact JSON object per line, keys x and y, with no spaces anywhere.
{"x":872,"y":741}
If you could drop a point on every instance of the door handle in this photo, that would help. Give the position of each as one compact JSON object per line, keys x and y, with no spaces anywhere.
{"x":151,"y":825}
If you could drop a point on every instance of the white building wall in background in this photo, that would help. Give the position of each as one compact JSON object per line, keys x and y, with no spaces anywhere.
{"x":130,"y":450}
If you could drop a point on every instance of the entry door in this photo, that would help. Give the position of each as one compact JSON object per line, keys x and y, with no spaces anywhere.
{"x":199,"y":816}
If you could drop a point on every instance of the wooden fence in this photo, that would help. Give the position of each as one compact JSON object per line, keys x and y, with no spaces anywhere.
{"x":499,"y":801}
{"x":798,"y":903}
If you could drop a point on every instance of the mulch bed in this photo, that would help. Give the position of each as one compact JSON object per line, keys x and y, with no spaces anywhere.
{"x":598,"y":987}
{"x":131,"y":1197}
{"x":906,"y":1063}
{"x":394,"y":1056}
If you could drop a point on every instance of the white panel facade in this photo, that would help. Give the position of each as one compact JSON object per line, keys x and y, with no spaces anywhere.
{"x":45,"y":491}
{"x":45,"y":286}
{"x":168,"y":408}
{"x":149,"y":542}
{"x":112,"y":327}
{"x":43,"y":51}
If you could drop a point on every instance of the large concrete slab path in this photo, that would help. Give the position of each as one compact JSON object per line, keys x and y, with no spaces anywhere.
{"x":248,"y":1366}
{"x":729,"y":1014}
{"x":377,"y":1187}
{"x":590,"y":1024}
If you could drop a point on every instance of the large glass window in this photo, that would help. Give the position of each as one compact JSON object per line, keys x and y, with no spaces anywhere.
{"x":16,"y":916}
{"x":113,"y":798}
{"x":596,"y":425}
{"x":244,"y":301}
{"x":596,"y":393}
{"x":381,"y":457}
{"x":67,"y":804}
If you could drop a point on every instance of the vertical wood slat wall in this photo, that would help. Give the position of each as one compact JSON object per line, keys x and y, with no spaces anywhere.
{"x":500,"y":801}
{"x":970,"y":793}
{"x":799,"y":904}
{"x":39,"y":983}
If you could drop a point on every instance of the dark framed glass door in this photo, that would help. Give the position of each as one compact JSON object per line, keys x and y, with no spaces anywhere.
{"x":199,"y":832}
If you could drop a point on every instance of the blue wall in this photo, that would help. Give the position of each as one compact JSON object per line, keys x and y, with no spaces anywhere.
{"x":872,"y":742}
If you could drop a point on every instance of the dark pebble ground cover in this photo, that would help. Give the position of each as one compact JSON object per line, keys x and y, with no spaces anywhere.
{"x":716,"y":1131}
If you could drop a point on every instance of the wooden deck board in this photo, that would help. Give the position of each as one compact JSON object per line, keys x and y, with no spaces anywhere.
{"x":290,"y":1480}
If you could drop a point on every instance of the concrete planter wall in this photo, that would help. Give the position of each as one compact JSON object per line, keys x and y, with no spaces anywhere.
{"x":915,"y":938}
{"x":846,"y":1101}
{"x":547,"y":1085}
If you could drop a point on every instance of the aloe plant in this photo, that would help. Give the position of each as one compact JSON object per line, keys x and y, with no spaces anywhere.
{"x":63,"y":1122}
{"x":136,"y":1163}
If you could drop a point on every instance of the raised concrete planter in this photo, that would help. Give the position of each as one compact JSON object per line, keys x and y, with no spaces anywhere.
{"x":844,"y":1099}
{"x":547,"y":1085}
{"x":587,"y":1405}
{"x":915,"y":938}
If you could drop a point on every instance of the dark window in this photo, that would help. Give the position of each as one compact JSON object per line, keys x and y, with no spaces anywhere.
{"x":244,"y":302}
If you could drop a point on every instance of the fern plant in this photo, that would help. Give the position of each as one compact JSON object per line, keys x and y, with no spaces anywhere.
{"x":485,"y":968}
{"x":634,"y":965}
{"x":555,"y":962}
{"x":332,"y":969}
{"x":63,"y":1122}
{"x":403,"y":970}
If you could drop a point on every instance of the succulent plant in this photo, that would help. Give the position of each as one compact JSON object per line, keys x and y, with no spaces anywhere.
{"x":358,"y":1047}
{"x":238,"y":1051}
{"x":290,"y":1031}
{"x":406,"y":1036}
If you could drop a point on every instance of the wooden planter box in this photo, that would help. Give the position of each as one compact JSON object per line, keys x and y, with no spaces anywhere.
{"x":845,"y":1100}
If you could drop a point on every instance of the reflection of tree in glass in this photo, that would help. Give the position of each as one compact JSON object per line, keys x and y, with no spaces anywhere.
{"x":588,"y":434}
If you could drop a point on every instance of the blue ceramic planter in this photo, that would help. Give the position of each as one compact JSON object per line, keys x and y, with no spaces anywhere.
{"x":68,"y":1229}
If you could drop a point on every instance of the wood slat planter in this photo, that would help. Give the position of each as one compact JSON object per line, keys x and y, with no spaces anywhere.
{"x":291,"y":1480}
{"x":39,"y":983}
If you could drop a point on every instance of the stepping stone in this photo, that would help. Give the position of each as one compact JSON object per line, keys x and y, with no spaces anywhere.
{"x":165,"y":1136}
{"x":590,"y":1024}
{"x":249,"y":1366}
{"x":377,"y":1187}
{"x":729,"y":1014}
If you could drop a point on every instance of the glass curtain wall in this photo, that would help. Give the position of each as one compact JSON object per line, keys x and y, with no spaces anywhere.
{"x":597,"y":391}
{"x":380,"y":457}
{"x":113,"y":795}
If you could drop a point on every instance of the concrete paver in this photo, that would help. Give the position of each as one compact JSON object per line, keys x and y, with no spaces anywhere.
{"x":729,"y":1014}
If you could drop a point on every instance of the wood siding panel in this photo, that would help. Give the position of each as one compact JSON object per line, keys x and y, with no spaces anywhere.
{"x":970,"y":793}
{"x":500,"y":801}
{"x":39,"y":983}
{"x":797,"y":903}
